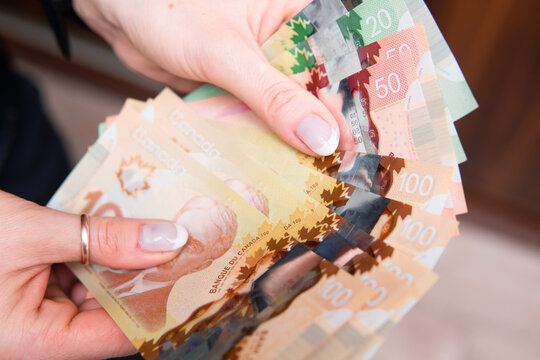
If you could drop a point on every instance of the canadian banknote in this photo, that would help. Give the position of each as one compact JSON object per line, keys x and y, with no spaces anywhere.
{"x":317,"y":15}
{"x":350,"y":338}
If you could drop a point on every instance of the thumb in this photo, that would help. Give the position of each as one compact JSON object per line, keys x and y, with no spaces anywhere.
{"x":37,"y":235}
{"x":293,"y":113}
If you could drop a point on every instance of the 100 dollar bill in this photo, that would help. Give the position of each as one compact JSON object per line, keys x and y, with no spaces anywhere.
{"x":387,"y":294}
{"x":420,"y":232}
{"x":318,"y":300}
{"x":350,"y":338}
{"x":395,"y":287}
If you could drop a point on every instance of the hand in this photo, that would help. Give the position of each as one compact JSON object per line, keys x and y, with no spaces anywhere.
{"x":217,"y":42}
{"x":43,"y":309}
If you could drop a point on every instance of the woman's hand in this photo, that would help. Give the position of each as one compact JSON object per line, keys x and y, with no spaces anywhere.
{"x":218,"y":42}
{"x":44,"y":311}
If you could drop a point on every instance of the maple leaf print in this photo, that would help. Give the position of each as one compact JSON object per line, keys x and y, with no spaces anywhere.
{"x":133,"y":176}
{"x":337,"y":195}
{"x":278,"y":245}
{"x":331,"y":223}
{"x":403,"y":211}
{"x":318,"y":79}
{"x":388,"y":168}
{"x":234,"y":354}
{"x":322,"y":164}
{"x":348,"y":190}
{"x":258,"y":255}
{"x":244,"y":273}
{"x":306,"y":234}
{"x":303,"y":57}
{"x":351,"y":4}
{"x":329,"y":270}
{"x":302,"y":28}
{"x":393,"y":164}
{"x":369,"y":54}
{"x":251,"y":261}
{"x":394,"y":211}
{"x":380,"y":250}
{"x":149,"y":350}
{"x":360,"y":264}
{"x":350,"y":26}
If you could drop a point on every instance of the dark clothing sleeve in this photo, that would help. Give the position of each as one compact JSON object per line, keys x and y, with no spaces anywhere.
{"x":33,"y":162}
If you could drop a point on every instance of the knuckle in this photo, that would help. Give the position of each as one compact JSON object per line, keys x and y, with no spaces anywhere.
{"x":278,"y":97}
{"x":107,"y":239}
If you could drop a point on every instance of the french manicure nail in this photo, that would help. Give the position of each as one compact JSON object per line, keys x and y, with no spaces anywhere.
{"x":318,"y":135}
{"x":162,"y":237}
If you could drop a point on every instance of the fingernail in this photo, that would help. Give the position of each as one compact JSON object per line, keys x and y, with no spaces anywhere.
{"x":318,"y":135}
{"x":162,"y":237}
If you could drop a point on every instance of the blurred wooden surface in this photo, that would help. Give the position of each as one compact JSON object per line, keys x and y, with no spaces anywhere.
{"x":497,"y":44}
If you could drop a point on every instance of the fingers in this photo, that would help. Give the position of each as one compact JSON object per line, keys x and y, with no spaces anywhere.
{"x":125,"y":51}
{"x":293,"y":113}
{"x":34,"y":235}
{"x":89,"y":334}
{"x":134,"y":244}
{"x":78,"y":294}
{"x":271,"y":15}
{"x":89,"y":304}
{"x":137,"y":62}
{"x":65,"y":277}
{"x":84,"y":332}
{"x":97,"y":333}
{"x":69,"y":284}
{"x":54,"y":291}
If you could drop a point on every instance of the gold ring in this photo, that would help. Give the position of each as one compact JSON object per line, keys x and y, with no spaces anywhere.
{"x":85,"y":239}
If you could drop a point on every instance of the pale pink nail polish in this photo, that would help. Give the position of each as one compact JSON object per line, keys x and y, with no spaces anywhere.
{"x":318,"y":135}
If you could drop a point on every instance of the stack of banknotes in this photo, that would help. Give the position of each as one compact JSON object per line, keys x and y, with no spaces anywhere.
{"x":289,"y":256}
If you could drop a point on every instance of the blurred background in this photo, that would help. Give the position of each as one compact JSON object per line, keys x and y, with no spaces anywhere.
{"x":486,"y":303}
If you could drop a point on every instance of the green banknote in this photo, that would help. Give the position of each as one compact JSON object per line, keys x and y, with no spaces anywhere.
{"x":456,"y":92}
{"x":314,"y":17}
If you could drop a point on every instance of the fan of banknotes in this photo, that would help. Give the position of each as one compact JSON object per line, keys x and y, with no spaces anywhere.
{"x":289,"y":256}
